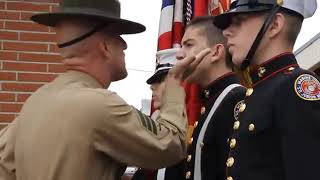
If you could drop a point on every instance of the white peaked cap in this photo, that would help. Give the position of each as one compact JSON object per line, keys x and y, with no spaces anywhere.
{"x":167,"y":56}
{"x":165,"y":60}
{"x":304,"y":7}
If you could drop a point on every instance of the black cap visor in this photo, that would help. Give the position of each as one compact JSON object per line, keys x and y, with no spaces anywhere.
{"x":158,"y":76}
{"x":223,"y":21}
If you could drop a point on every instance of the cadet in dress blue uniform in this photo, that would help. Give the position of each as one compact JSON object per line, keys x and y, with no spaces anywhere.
{"x":277,"y":133}
{"x":222,"y":94}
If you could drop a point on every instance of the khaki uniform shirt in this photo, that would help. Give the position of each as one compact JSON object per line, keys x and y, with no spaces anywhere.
{"x":7,"y":168}
{"x":73,"y":129}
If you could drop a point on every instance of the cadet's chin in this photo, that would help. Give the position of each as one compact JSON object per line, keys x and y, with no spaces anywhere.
{"x":237,"y":61}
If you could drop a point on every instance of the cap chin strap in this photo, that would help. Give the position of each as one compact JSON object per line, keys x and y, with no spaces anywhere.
{"x":82,"y":37}
{"x":260,"y":35}
{"x":164,"y":65}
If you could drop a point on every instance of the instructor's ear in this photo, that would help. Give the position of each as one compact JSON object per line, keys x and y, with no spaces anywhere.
{"x":104,"y":48}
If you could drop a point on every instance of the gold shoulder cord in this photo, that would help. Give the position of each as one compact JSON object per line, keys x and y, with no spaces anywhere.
{"x":244,"y":75}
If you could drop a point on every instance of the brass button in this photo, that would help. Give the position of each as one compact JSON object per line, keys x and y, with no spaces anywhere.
{"x":191,"y":140}
{"x":249,"y":92}
{"x":195,"y":124}
{"x":189,"y":158}
{"x":233,"y":143}
{"x":229,"y":178}
{"x":291,"y":68}
{"x":236,"y":125}
{"x":261,"y":71}
{"x":230,"y":162}
{"x":207,"y":93}
{"x":201,"y":144}
{"x":203,"y":110}
{"x":242,"y":107}
{"x":251,"y":127}
{"x":188,"y":175}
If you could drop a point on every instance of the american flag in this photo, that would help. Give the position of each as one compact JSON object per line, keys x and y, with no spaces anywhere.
{"x":171,"y":24}
{"x":174,"y":15}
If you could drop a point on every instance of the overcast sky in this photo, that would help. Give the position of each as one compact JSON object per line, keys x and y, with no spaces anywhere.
{"x":140,"y":55}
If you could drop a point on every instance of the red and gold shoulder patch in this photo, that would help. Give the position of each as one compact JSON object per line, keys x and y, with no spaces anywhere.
{"x":307,"y":87}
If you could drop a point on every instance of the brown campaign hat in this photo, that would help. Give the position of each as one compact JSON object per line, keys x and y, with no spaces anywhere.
{"x":107,"y":11}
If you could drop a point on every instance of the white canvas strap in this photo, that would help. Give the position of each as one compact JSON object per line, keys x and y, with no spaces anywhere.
{"x":161,"y":174}
{"x":197,"y":163}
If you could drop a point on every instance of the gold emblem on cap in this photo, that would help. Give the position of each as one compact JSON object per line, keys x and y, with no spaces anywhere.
{"x":251,"y":127}
{"x":236,"y":125}
{"x":242,"y":107}
{"x":230,"y":162}
{"x":280,"y":2}
{"x":233,"y":143}
{"x":188,"y":175}
{"x":249,"y":92}
{"x":261,"y":71}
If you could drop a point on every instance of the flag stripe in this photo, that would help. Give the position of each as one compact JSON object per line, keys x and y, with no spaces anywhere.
{"x":177,"y":29}
{"x":166,"y":3}
{"x":177,"y":32}
{"x":178,"y":11}
{"x":164,"y":41}
{"x":166,"y":18}
{"x":200,"y":8}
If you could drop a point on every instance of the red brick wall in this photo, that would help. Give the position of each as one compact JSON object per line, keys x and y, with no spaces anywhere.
{"x":28,"y":55}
